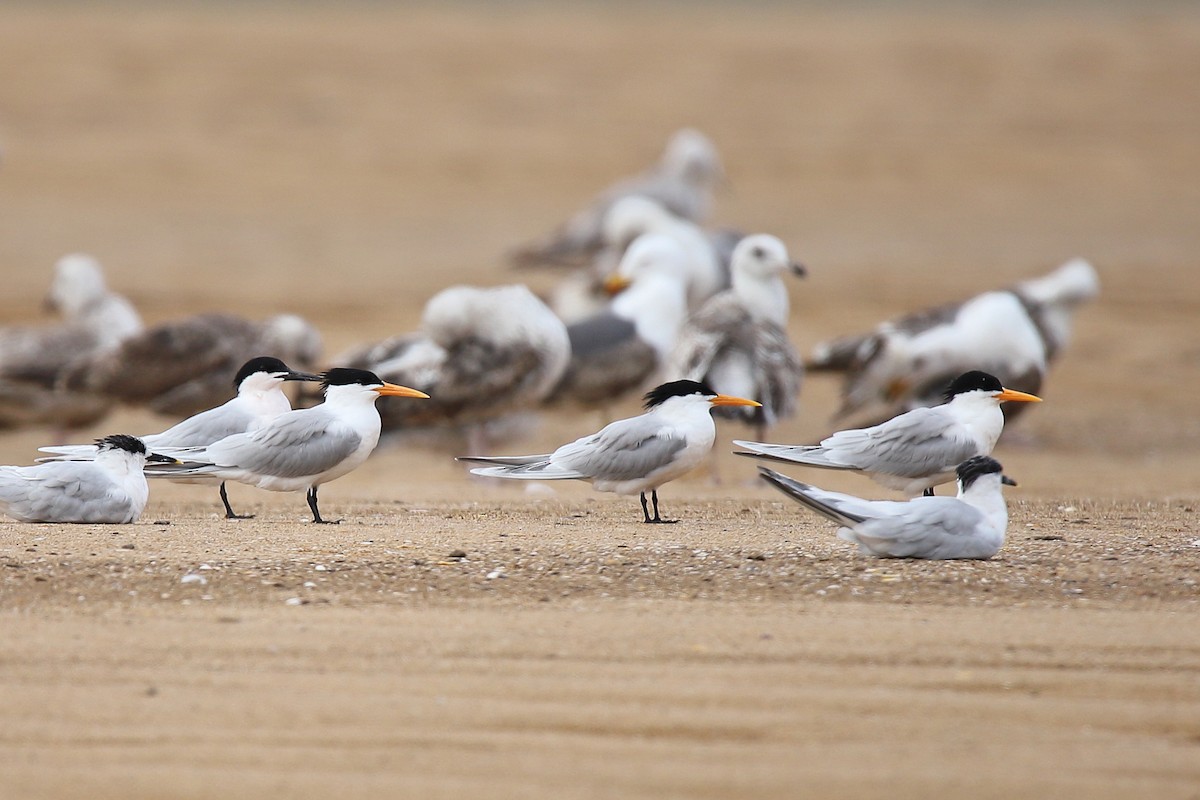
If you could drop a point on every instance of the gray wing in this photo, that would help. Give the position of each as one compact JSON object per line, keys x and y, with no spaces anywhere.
{"x":69,"y":491}
{"x":627,"y":449}
{"x":843,"y":509}
{"x":927,"y":527}
{"x":607,"y":360}
{"x":916,"y":444}
{"x":292,"y":445}
{"x":203,"y":429}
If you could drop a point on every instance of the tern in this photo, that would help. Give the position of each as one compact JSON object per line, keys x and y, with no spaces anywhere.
{"x":971,"y":525}
{"x":1014,"y":333}
{"x":260,"y":398}
{"x":917,"y":450}
{"x":683,"y":181}
{"x":737,"y":341}
{"x":302,"y":449}
{"x":109,"y":489}
{"x":635,"y":455}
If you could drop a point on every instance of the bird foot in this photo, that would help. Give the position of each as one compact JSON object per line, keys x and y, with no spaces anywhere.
{"x":327,"y":522}
{"x":660,"y":521}
{"x":239,"y":516}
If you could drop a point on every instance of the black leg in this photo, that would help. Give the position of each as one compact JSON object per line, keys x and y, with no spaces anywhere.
{"x":645,"y":509}
{"x":657,"y":518}
{"x":312,"y":504}
{"x":928,"y":491}
{"x":229,"y":509}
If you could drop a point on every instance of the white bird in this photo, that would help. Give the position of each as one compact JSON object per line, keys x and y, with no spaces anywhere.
{"x":917,"y":450}
{"x":302,"y":449}
{"x":34,"y":359}
{"x":638,"y":454}
{"x":971,"y":525}
{"x":683,"y":181}
{"x":737,"y":341}
{"x":636,"y":216}
{"x":182,"y":367}
{"x":109,"y":489}
{"x":481,"y":354}
{"x":583,"y":293}
{"x":627,"y":346}
{"x":1013,"y":333}
{"x":260,"y":398}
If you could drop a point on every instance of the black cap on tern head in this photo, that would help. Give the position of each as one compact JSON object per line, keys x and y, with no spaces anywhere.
{"x":266,"y":364}
{"x":972,"y":381}
{"x":973,"y":468}
{"x":346,"y":376}
{"x":122,"y":441}
{"x":666,"y":391}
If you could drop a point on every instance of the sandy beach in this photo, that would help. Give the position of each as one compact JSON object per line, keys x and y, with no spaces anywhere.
{"x":456,"y":638}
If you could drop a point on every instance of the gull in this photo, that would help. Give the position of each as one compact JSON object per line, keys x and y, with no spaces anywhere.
{"x":682,"y":181}
{"x":737,"y":341}
{"x":626,"y":346}
{"x":33,"y":359}
{"x":971,"y":525}
{"x":260,"y":398}
{"x":109,"y":489}
{"x":638,"y":454}
{"x":636,"y":216}
{"x":182,"y":367}
{"x":302,"y":449}
{"x":917,"y":450}
{"x":1013,"y":333}
{"x":582,"y":294}
{"x":481,"y":354}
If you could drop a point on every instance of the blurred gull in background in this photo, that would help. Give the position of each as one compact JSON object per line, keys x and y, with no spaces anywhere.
{"x":183,"y":367}
{"x":481,"y":354}
{"x":1013,"y":333}
{"x":737,"y":342}
{"x":33,"y":359}
{"x":682,"y":181}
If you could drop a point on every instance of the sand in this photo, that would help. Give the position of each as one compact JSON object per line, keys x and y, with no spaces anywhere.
{"x":453,"y":638}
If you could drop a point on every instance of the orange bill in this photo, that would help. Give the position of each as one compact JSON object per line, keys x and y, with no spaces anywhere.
{"x":726,"y":400}
{"x":1020,"y":397}
{"x":615,"y":284}
{"x":393,"y":390}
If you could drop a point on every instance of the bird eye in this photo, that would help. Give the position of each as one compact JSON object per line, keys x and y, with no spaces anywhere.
{"x":758,"y":252}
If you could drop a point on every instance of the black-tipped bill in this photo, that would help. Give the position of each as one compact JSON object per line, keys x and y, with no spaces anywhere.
{"x":293,"y":375}
{"x":160,"y":458}
{"x":1007,"y":481}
